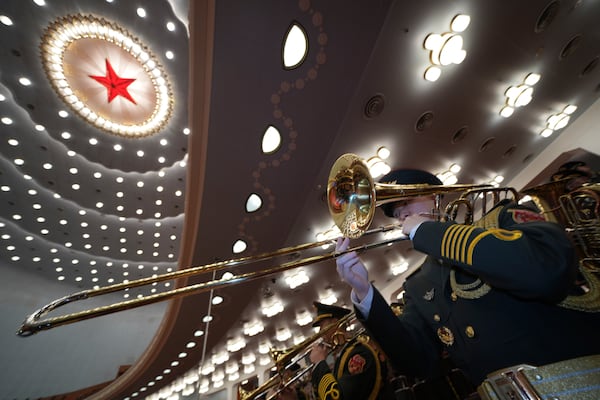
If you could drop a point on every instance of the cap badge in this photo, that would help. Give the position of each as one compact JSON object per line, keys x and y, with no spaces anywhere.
{"x":356,"y":365}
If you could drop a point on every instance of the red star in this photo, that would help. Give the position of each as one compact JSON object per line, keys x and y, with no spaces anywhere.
{"x":116,"y":85}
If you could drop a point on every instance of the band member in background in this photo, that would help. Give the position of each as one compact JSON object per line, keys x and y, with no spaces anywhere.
{"x":576,"y":173}
{"x":487,"y":294}
{"x":359,"y":371}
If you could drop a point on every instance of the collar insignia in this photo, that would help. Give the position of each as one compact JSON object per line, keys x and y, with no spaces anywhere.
{"x":429,"y":294}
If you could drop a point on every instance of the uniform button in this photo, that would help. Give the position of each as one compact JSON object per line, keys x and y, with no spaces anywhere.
{"x":453,"y":296}
{"x":436,"y":318}
{"x":469,"y":331}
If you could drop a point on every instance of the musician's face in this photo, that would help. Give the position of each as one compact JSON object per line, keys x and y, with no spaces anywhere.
{"x":416,"y":206}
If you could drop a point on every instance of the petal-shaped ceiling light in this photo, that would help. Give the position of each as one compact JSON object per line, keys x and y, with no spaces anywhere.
{"x":295,"y":46}
{"x":253,"y":203}
{"x":271,"y":140}
{"x":106,"y":75}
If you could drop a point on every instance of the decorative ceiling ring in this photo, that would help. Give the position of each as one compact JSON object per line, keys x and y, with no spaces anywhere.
{"x":106,"y":75}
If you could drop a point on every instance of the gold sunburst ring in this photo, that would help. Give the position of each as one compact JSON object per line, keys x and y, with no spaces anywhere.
{"x":106,"y":75}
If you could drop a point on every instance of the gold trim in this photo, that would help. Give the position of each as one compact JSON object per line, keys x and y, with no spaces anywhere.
{"x":470,"y":291}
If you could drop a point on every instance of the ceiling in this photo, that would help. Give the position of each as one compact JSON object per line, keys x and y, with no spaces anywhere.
{"x":77,"y":213}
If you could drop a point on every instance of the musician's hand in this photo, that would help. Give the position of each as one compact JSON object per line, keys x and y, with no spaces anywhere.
{"x":413,"y":221}
{"x":318,"y":353}
{"x":351,"y":269}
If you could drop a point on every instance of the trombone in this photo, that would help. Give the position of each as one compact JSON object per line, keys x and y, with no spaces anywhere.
{"x":285,"y":359}
{"x":352,"y":198}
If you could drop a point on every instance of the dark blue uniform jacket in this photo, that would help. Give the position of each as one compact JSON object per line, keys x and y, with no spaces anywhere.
{"x":528,"y":266}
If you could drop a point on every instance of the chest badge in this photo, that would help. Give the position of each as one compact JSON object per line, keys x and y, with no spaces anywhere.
{"x":445,"y":335}
{"x":429,"y":294}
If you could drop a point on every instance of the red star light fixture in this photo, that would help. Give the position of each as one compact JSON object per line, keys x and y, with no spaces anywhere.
{"x":106,"y":76}
{"x":115,"y":85}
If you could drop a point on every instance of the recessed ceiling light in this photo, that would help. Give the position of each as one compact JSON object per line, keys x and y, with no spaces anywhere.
{"x":253,"y":203}
{"x":271,"y":140}
{"x":295,"y":47}
{"x":141,"y":12}
{"x":24,"y":81}
{"x":170,"y":26}
{"x":5,"y":20}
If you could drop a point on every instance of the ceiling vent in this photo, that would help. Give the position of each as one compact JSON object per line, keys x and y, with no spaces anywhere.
{"x":424,"y":122}
{"x":487,"y":144}
{"x":590,"y":67}
{"x":508,"y":153}
{"x":460,"y":135}
{"x":570,"y":47}
{"x":546,"y":17}
{"x":374,"y":106}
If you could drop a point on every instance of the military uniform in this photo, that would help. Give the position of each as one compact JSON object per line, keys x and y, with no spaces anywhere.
{"x":487,"y":294}
{"x":360,"y":370}
{"x":357,"y":374}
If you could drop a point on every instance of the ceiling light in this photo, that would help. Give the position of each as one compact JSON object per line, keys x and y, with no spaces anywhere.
{"x":264,"y":360}
{"x":328,"y":298}
{"x":141,"y":12}
{"x":207,"y":369}
{"x":217,"y":300}
{"x":304,"y":318}
{"x":220,"y":357}
{"x":519,"y":95}
{"x":169,"y":54}
{"x":296,"y":279}
{"x":558,"y":121}
{"x":272,"y":307}
{"x":298,"y":339}
{"x":383,"y":153}
{"x":446,"y":48}
{"x":235,"y":344}
{"x":253,"y":328}
{"x":248,"y":358}
{"x":248,"y":369}
{"x":231,"y":368}
{"x":271,"y":140}
{"x":295,"y":47}
{"x":5,"y":20}
{"x":68,"y":39}
{"x":377,"y":167}
{"x":239,"y":246}
{"x":283,"y":334}
{"x":24,"y":81}
{"x":7,"y":121}
{"x":253,"y":203}
{"x":264,"y":347}
{"x":170,"y":26}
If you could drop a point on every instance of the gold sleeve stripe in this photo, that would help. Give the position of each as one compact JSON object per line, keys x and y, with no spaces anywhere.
{"x":461,"y":242}
{"x":328,"y":388}
{"x":454,"y":242}
{"x":501,"y":234}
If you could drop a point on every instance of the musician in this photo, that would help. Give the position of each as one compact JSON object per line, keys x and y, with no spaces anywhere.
{"x":359,"y":371}
{"x":487,"y":294}
{"x":577,"y":173}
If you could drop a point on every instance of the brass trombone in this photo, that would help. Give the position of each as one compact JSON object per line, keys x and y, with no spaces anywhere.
{"x":284,"y":359}
{"x":352,"y":198}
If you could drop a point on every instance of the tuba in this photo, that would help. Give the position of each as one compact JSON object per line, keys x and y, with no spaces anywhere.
{"x":578,"y":211}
